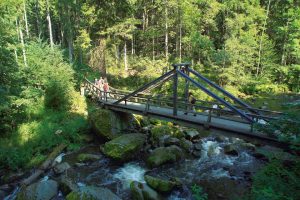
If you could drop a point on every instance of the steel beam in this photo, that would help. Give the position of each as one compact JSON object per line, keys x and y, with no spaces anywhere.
{"x":146,"y":86}
{"x":222,"y":90}
{"x":228,"y":105}
{"x":175,"y":85}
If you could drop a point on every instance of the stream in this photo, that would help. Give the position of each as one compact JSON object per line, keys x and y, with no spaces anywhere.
{"x":221,"y":176}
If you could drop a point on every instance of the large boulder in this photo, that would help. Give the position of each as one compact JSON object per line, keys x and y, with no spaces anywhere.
{"x":231,"y":149}
{"x":124,"y":147}
{"x":44,"y":190}
{"x":67,"y":185}
{"x":141,"y":191}
{"x":163,"y":155}
{"x":186,"y":144}
{"x":108,"y":124}
{"x":61,"y":167}
{"x":160,"y":185}
{"x":192,"y":134}
{"x":92,"y":193}
{"x":100,"y":121}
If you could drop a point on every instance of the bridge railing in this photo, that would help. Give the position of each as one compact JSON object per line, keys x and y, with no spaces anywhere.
{"x":201,"y":107}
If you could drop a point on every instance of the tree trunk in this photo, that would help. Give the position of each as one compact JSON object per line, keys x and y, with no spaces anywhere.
{"x":132,"y":45}
{"x":261,"y":39}
{"x":180,"y":41}
{"x":153,"y":48}
{"x":166,"y":31}
{"x":17,"y":29}
{"x":23,"y":46}
{"x":37,"y":15}
{"x":49,"y":25}
{"x":25,"y":19}
{"x":283,"y":56}
{"x":16,"y":54}
{"x":125,"y":57}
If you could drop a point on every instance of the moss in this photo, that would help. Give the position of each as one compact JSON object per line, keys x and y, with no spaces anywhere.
{"x":164,"y":155}
{"x":124,"y":147}
{"x":78,"y":196}
{"x":101,"y":124}
{"x":159,"y":184}
{"x":83,"y":157}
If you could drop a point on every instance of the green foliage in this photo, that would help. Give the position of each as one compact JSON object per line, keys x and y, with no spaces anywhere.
{"x":198,"y":193}
{"x":277,"y":182}
{"x":286,"y":128}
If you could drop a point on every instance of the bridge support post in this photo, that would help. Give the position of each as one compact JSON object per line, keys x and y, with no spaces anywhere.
{"x":175,"y":95}
{"x":187,"y":84}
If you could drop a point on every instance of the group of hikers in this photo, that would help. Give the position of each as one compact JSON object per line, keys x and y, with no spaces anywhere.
{"x":102,"y":85}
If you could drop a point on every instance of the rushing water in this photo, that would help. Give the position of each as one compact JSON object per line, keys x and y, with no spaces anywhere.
{"x":219,"y":174}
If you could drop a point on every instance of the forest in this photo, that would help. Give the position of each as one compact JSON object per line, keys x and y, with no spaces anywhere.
{"x":48,"y":47}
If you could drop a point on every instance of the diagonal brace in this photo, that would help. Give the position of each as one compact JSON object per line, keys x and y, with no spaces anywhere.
{"x":222,"y":90}
{"x":228,"y":105}
{"x":146,"y":86}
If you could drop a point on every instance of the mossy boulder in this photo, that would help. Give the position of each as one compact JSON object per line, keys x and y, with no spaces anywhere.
{"x":163,"y":155}
{"x":109,"y":124}
{"x":100,"y":121}
{"x":124,"y":147}
{"x":231,"y":149}
{"x":92,"y":193}
{"x":141,"y":191}
{"x":160,"y":185}
{"x":159,"y":131}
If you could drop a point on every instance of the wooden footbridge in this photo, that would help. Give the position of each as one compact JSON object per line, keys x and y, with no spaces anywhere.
{"x":237,"y":119}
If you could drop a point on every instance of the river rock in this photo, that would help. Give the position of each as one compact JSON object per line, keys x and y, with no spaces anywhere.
{"x":159,"y":184}
{"x":192,"y":134}
{"x":100,"y":122}
{"x":198,"y":146}
{"x":172,"y":141}
{"x":163,"y":155}
{"x":125,"y":146}
{"x":86,"y":157}
{"x":66,"y":185}
{"x":248,"y":146}
{"x":44,"y":190}
{"x":92,"y":193}
{"x":61,"y":168}
{"x":186,"y":144}
{"x":197,"y":153}
{"x":220,"y":138}
{"x":230,"y":150}
{"x":141,"y":191}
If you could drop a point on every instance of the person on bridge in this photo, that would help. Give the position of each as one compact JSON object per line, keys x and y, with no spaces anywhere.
{"x":191,"y":104}
{"x":100,"y":86}
{"x":105,"y":87}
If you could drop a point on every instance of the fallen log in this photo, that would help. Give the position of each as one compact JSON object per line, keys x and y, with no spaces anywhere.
{"x":46,"y":164}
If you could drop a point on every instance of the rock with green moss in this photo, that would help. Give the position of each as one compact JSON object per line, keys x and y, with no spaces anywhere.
{"x":108,"y":124}
{"x":163,"y":155}
{"x":141,"y":191}
{"x":86,"y":157}
{"x":186,"y":144}
{"x":101,"y":123}
{"x":124,"y":147}
{"x":92,"y":193}
{"x":159,"y":184}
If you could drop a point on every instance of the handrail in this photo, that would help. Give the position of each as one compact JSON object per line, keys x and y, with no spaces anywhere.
{"x":169,"y":101}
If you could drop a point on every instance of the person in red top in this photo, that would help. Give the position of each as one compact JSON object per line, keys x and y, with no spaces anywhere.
{"x":105,"y":87}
